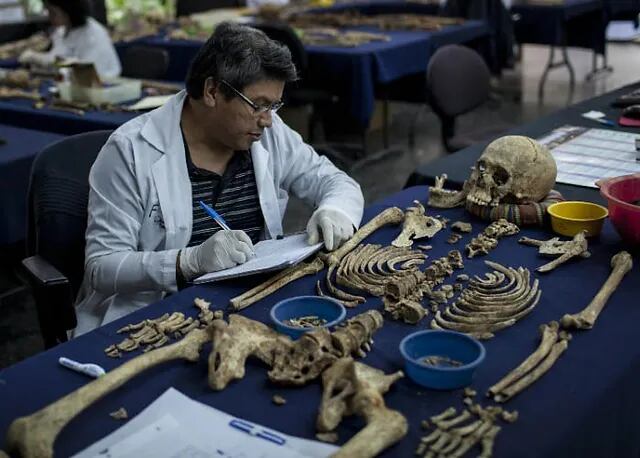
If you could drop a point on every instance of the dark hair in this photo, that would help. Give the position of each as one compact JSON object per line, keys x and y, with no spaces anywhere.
{"x":77,"y":10}
{"x":241,"y":56}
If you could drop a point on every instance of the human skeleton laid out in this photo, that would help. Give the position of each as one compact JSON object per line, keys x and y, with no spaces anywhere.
{"x":552,"y":344}
{"x":564,"y":250}
{"x":488,"y":305}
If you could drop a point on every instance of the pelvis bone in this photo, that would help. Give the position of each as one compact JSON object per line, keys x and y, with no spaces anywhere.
{"x":353,"y":388}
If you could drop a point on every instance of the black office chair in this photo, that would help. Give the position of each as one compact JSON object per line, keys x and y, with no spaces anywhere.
{"x":98,"y":11}
{"x":187,"y":7}
{"x":298,"y":93}
{"x":145,"y":62}
{"x":56,"y":224}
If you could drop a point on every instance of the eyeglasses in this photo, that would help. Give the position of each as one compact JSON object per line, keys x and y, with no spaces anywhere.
{"x":257,"y":109}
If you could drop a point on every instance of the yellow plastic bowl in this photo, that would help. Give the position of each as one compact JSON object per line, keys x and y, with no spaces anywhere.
{"x":569,"y":218}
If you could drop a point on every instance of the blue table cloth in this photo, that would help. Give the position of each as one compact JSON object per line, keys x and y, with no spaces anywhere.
{"x":585,"y":406}
{"x":21,"y":113}
{"x":351,"y":72}
{"x":579,"y":23}
{"x":16,"y":155}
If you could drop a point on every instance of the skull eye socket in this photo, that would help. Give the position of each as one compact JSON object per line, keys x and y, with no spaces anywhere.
{"x":500,"y":176}
{"x":481,"y":166}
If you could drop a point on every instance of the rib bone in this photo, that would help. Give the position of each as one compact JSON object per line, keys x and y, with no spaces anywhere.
{"x":621,"y":263}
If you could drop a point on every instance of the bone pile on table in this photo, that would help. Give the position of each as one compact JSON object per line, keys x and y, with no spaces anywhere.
{"x":487,"y":240}
{"x":154,"y":333}
{"x":331,"y":260}
{"x":368,"y":268}
{"x":554,"y":247}
{"x":491,"y":304}
{"x":380,"y":21}
{"x":14,"y":93}
{"x":292,"y":362}
{"x":37,"y":42}
{"x":455,"y":434}
{"x":353,"y":388}
{"x":621,"y":263}
{"x":332,"y":36}
{"x":552,"y":344}
{"x":402,"y":296}
{"x":19,"y":78}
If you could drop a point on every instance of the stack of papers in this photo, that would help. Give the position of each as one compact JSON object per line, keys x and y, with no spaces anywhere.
{"x":270,"y":255}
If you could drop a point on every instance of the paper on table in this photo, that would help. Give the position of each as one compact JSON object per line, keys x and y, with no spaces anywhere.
{"x":176,"y":426}
{"x":270,"y":255}
{"x":147,"y":103}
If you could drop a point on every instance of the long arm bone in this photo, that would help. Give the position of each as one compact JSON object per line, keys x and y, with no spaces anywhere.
{"x":549,"y":336}
{"x":270,"y":286}
{"x":35,"y":434}
{"x":621,"y":264}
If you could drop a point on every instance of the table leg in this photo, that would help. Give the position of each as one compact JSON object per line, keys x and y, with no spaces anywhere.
{"x":595,"y":70}
{"x":551,"y":65}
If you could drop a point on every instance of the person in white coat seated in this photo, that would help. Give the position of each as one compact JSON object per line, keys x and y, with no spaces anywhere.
{"x":220,"y":141}
{"x":78,"y":36}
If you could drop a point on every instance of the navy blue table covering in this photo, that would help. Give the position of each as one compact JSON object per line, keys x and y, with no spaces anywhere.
{"x":16,"y":156}
{"x":586,"y":405}
{"x":351,"y":72}
{"x":9,"y":63}
{"x":21,"y":113}
{"x":580,"y":23}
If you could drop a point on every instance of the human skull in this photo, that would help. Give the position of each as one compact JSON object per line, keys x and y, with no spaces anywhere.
{"x":512,"y":170}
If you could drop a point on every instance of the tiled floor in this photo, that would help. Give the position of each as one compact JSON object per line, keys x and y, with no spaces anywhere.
{"x":519,"y":103}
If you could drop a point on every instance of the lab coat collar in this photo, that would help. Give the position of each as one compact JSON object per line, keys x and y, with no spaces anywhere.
{"x":166,"y":136}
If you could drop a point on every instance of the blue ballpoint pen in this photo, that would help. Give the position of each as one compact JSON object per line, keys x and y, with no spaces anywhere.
{"x":215,"y":215}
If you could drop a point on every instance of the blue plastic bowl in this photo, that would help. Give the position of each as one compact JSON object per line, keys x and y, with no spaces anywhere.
{"x":323,"y":307}
{"x":450,"y":344}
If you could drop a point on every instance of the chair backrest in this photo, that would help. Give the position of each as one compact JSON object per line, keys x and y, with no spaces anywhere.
{"x":57,"y":202}
{"x":145,"y":62}
{"x":458,"y":80}
{"x":284,"y":34}
{"x":187,"y":7}
{"x":98,"y":11}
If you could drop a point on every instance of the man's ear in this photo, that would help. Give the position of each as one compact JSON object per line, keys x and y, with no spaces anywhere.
{"x":210,"y":93}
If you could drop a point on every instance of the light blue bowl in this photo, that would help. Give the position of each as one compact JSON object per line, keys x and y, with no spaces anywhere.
{"x":323,"y":307}
{"x":450,"y":344}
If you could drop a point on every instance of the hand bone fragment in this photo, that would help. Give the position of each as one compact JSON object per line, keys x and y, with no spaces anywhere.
{"x":621,"y":263}
{"x":553,"y":247}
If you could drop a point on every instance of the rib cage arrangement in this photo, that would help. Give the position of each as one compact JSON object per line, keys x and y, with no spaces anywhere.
{"x":491,"y":303}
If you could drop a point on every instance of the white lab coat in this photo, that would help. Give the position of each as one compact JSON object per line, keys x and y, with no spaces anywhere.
{"x":88,"y":43}
{"x":140,"y":206}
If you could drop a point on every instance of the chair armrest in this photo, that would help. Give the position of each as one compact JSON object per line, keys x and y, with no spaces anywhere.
{"x":42,"y":273}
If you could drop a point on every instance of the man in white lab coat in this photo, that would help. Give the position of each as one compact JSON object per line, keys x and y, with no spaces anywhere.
{"x":78,"y":36}
{"x":220,"y":142}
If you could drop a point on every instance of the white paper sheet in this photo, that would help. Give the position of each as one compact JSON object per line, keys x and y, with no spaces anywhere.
{"x":270,"y":255}
{"x":150,"y":102}
{"x":176,"y":426}
{"x":584,"y":155}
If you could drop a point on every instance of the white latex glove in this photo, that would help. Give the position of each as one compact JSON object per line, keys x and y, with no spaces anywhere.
{"x":222,"y":250}
{"x":335,"y":226}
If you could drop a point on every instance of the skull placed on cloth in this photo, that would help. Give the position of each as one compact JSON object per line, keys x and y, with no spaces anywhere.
{"x":512,"y":170}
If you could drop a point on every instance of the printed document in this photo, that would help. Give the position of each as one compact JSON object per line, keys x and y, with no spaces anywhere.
{"x":175,"y":425}
{"x":270,"y":255}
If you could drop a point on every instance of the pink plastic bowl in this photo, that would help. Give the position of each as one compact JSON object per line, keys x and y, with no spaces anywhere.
{"x":620,"y":192}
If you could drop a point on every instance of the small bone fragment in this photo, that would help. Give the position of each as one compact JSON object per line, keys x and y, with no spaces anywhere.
{"x":442,"y":198}
{"x":462,"y":226}
{"x":510,"y":417}
{"x":35,"y":434}
{"x":278,"y":400}
{"x":330,"y":438}
{"x":488,"y":441}
{"x":450,"y":412}
{"x":424,"y":424}
{"x":417,"y":225}
{"x":425,"y":247}
{"x":120,"y":414}
{"x":218,"y":314}
{"x":621,"y":263}
{"x":462,"y":278}
{"x":454,"y":238}
{"x":470,"y":392}
{"x":556,"y":350}
{"x":549,"y":335}
{"x":446,"y":424}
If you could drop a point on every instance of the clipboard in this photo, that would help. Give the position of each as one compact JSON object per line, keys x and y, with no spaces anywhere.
{"x":274,"y":254}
